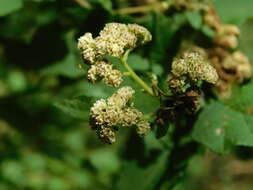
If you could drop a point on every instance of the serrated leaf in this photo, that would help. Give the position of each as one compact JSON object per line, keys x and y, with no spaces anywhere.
{"x":8,"y":6}
{"x":234,"y":12}
{"x":218,"y":127}
{"x":142,"y":178}
{"x":78,"y":107}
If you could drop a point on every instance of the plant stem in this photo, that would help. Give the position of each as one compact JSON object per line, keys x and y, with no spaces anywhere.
{"x":83,"y":3}
{"x":134,"y":76}
{"x":144,"y":8}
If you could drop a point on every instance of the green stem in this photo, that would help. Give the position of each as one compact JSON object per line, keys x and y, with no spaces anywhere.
{"x":134,"y":76}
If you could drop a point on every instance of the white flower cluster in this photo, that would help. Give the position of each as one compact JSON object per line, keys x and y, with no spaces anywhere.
{"x":113,"y":40}
{"x":102,"y":70}
{"x":193,"y":65}
{"x":109,"y":114}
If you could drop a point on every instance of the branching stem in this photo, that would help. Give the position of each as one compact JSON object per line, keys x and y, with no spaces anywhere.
{"x":134,"y":76}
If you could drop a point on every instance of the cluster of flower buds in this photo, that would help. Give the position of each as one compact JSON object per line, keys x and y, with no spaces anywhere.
{"x":103,"y":70}
{"x":232,"y":67}
{"x":107,"y":115}
{"x":194,"y":67}
{"x":239,"y":64}
{"x":226,"y":35}
{"x":113,"y":40}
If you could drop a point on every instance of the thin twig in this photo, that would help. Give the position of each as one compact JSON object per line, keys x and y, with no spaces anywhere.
{"x":83,"y":3}
{"x":144,"y":8}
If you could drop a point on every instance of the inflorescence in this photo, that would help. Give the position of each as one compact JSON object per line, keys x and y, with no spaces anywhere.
{"x":113,"y":40}
{"x":108,"y":115}
{"x":191,"y":66}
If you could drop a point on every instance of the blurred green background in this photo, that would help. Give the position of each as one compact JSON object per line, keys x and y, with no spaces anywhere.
{"x":43,"y":148}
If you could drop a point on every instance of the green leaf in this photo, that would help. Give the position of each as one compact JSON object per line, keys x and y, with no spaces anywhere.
{"x":34,"y":161}
{"x":67,"y":67}
{"x":57,"y":183}
{"x":143,"y":101}
{"x":8,"y":6}
{"x":157,"y":69}
{"x":105,"y":160}
{"x":246,"y":40}
{"x":138,"y":63}
{"x":97,"y":90}
{"x":234,"y":12}
{"x":218,"y":127}
{"x":77,"y":107}
{"x":208,"y":31}
{"x":16,"y":81}
{"x":194,"y":18}
{"x":81,"y":178}
{"x":13,"y":171}
{"x":242,"y":98}
{"x":162,"y":31}
{"x":134,"y":176}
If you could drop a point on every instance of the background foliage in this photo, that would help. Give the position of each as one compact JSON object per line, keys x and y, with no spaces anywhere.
{"x":46,"y":142}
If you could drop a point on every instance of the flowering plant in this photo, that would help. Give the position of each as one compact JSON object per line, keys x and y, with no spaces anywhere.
{"x":125,"y":95}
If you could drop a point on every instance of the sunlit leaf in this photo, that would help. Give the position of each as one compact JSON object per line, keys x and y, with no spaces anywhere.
{"x":8,"y":6}
{"x":219,"y":127}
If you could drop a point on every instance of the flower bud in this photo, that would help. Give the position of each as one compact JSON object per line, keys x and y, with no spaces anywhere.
{"x":113,"y":40}
{"x":142,"y":34}
{"x":87,"y":46}
{"x":239,"y":64}
{"x":102,"y":70}
{"x":195,"y":67}
{"x":143,"y":128}
{"x":108,"y":135}
{"x":106,"y":115}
